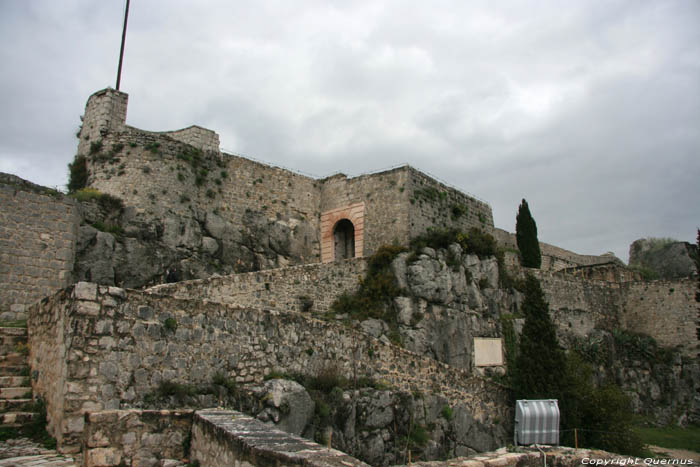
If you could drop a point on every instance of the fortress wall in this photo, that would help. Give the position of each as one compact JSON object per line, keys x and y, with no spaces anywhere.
{"x":308,"y":288}
{"x":579,"y":306}
{"x":553,"y":257}
{"x":665,"y":310}
{"x":159,"y":178}
{"x":385,"y":199}
{"x":202,"y":138}
{"x":38,"y":230}
{"x":118,"y":347}
{"x":432,"y":203}
{"x":275,"y":191}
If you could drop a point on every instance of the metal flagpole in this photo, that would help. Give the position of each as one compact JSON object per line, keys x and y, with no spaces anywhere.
{"x":121,"y":52}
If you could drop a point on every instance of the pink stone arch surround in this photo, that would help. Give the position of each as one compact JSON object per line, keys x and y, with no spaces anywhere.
{"x":355,"y":213}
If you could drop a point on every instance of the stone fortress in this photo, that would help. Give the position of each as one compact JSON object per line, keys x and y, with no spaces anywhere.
{"x":244,"y":257}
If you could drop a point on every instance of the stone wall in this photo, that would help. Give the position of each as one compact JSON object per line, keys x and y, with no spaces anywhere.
{"x":307,"y":288}
{"x":117,"y":346}
{"x":665,"y":310}
{"x":38,"y":229}
{"x":135,"y":437}
{"x":434,"y":204}
{"x":231,"y":438}
{"x":578,"y":306}
{"x":385,"y":201}
{"x":201,"y":138}
{"x":553,"y":257}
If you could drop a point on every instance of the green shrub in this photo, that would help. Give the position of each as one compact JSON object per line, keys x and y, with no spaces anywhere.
{"x":95,"y":147}
{"x":170,"y":324}
{"x":447,"y":413}
{"x":153,"y":147}
{"x":107,"y":202}
{"x":77,"y":174}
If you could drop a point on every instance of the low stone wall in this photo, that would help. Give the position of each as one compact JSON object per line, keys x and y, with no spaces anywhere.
{"x":118,"y":346}
{"x":232,"y":438}
{"x":135,"y":437}
{"x":532,"y":457}
{"x":311,"y":287}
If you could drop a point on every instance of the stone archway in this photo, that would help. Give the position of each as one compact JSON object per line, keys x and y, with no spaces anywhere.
{"x":340,"y":239}
{"x":344,"y":239}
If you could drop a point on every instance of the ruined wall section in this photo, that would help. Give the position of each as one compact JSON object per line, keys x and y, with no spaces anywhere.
{"x":119,"y":345}
{"x":38,"y":230}
{"x":432,"y":204}
{"x":307,"y":288}
{"x":385,"y":198}
{"x":665,"y":310}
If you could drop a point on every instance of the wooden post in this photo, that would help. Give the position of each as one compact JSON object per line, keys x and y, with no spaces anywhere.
{"x":576,"y":438}
{"x":330,"y":438}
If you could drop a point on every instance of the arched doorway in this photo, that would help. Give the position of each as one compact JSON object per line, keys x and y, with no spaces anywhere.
{"x":344,"y":239}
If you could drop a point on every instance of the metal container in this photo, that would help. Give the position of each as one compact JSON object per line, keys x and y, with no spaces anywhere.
{"x":536,"y":422}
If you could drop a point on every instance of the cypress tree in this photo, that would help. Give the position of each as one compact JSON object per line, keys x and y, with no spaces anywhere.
{"x":526,"y":236}
{"x":541,"y":363}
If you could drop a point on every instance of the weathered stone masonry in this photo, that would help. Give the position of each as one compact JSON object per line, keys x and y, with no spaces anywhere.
{"x":103,"y":348}
{"x":37,"y":243}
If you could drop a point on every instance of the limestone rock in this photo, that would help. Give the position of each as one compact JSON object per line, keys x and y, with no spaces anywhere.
{"x":668,"y":258}
{"x":288,"y":405}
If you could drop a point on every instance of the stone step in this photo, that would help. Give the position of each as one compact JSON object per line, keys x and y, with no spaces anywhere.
{"x":15,"y":393}
{"x":16,"y":419}
{"x":16,"y":405}
{"x":13,"y":381}
{"x":13,"y":332}
{"x":13,"y":359}
{"x":45,"y":460}
{"x":14,"y":370}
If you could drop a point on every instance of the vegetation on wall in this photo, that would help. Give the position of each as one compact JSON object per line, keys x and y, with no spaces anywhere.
{"x":526,"y":237}
{"x":377,"y":290}
{"x":107,"y":202}
{"x":475,"y":241}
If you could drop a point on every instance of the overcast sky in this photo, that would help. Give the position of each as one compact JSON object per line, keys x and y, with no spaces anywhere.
{"x":588,"y":109}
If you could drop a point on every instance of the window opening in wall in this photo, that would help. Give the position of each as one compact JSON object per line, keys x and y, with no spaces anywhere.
{"x":344,"y":239}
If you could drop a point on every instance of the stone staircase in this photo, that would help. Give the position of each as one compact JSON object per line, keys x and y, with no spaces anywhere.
{"x":16,"y":405}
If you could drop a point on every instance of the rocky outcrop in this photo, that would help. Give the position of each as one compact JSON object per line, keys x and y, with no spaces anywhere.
{"x":666,"y":258}
{"x":133,"y":249}
{"x":379,"y":426}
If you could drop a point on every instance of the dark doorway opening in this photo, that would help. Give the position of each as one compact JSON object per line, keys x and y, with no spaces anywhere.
{"x":344,"y":239}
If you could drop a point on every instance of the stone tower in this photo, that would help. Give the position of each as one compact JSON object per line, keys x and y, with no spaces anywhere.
{"x":105,"y":111}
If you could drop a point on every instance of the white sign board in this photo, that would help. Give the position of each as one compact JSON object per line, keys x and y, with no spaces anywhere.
{"x":488,"y":351}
